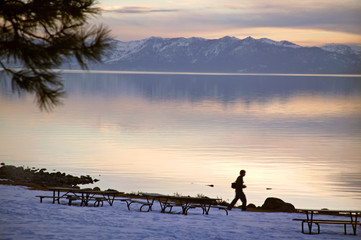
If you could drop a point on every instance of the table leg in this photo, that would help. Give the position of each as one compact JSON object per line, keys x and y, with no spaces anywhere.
{"x":353,"y":220}
{"x":206,"y":208}
{"x":56,"y":198}
{"x":185,"y":207}
{"x":110,"y":198}
{"x":84,"y":199}
{"x":309,"y":221}
{"x":150,"y":201}
{"x":87,"y":197}
{"x":163,"y":205}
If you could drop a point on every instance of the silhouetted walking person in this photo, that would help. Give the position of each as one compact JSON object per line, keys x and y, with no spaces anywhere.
{"x":239,"y":185}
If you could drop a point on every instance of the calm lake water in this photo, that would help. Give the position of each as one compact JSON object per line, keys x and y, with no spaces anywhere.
{"x":297,"y":136}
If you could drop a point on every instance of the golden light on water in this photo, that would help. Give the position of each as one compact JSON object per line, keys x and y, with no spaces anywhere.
{"x":140,"y":143}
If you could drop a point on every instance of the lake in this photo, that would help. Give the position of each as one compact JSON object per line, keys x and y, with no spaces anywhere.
{"x":298,"y":137}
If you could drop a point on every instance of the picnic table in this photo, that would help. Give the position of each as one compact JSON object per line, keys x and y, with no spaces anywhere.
{"x":146,"y":200}
{"x":310,"y":220}
{"x":186,"y":203}
{"x":85,"y":195}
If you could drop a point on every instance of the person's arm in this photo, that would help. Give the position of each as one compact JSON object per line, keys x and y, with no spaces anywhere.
{"x":239,"y":182}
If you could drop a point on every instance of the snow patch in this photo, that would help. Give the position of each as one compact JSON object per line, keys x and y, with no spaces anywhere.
{"x":124,"y":49}
{"x":22,"y":216}
{"x":280,"y":44}
{"x":342,"y":48}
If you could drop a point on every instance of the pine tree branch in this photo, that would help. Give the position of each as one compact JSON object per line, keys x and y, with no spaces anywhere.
{"x":40,"y":35}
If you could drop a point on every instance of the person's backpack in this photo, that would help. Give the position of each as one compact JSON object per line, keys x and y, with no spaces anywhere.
{"x":233,"y":185}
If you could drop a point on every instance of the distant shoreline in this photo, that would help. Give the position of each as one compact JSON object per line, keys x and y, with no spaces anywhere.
{"x":201,"y":73}
{"x":205,"y":73}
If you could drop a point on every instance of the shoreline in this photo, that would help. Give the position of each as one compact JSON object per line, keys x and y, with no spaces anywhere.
{"x":208,"y":73}
{"x":59,"y":70}
{"x":35,"y":187}
{"x":39,"y":179}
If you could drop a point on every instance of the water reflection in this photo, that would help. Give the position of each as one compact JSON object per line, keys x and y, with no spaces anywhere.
{"x":224,"y":88}
{"x":299,"y":136}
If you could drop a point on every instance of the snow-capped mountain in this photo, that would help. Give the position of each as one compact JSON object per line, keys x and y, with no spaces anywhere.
{"x":229,"y":54}
{"x":342,"y":48}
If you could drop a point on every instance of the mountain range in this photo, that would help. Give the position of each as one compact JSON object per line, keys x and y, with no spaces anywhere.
{"x":230,"y":54}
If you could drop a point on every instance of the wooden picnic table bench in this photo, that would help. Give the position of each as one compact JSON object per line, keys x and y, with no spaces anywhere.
{"x":309,"y":220}
{"x":142,"y":204}
{"x":221,"y":208}
{"x":85,"y":195}
{"x":186,"y":203}
{"x":146,"y":200}
{"x":68,"y":197}
{"x":42,"y":197}
{"x":72,"y":198}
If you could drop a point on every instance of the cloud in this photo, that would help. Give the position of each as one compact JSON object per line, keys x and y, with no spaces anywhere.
{"x":333,"y":17}
{"x":137,"y":10}
{"x":232,"y":17}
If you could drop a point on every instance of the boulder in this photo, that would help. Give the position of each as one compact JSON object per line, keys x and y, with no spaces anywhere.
{"x":272,"y":203}
{"x":251,"y":205}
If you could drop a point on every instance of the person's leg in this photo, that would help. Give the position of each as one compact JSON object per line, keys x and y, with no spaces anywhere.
{"x":233,"y":203}
{"x":243,"y":198}
{"x":238,"y":196}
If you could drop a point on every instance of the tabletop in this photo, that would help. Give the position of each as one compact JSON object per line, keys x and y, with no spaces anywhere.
{"x":184,"y":198}
{"x":84,"y":190}
{"x":327,"y":211}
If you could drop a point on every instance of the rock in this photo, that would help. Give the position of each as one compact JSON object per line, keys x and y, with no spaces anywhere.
{"x":28,"y":175}
{"x":112,"y":190}
{"x":251,"y":205}
{"x":277,"y":204}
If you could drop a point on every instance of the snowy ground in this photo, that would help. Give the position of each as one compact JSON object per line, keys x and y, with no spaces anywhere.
{"x":22,"y":216}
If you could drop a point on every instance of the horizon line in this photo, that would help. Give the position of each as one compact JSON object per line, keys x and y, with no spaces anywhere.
{"x":207,"y":73}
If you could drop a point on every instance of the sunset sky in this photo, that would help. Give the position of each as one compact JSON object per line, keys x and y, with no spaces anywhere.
{"x":306,"y":22}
